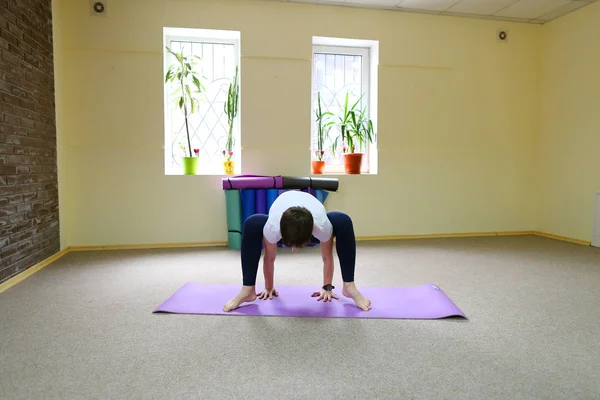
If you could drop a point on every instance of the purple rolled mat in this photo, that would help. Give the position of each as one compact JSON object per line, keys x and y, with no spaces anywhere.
{"x":252,"y":182}
{"x":260,"y":201}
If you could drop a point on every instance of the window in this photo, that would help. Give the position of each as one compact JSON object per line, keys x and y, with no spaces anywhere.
{"x":219,"y":55}
{"x":344,"y":67}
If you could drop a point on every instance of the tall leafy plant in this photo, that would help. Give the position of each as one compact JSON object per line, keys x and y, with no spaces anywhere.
{"x":324,"y":125}
{"x":361,"y":129}
{"x":231,"y":110}
{"x":355,"y":128}
{"x":187,"y":87}
{"x":345,"y":138}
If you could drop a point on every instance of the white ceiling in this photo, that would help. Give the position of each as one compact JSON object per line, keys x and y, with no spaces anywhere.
{"x":529,"y":11}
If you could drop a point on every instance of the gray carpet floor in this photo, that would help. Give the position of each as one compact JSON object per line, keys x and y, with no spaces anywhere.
{"x":83,"y":328}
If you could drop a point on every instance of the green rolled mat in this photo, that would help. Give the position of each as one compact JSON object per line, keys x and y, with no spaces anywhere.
{"x":234,"y":240}
{"x":233,"y":208}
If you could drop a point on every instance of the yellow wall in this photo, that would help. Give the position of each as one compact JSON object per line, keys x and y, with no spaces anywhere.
{"x":457,"y":119}
{"x":569,"y":137}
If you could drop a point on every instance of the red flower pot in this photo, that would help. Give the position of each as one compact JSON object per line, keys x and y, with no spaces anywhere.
{"x":317,"y":167}
{"x":352,"y":163}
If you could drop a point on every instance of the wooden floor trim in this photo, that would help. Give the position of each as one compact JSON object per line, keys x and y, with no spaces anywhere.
{"x":147,"y":246}
{"x":443,"y":235}
{"x":31,"y":270}
{"x":563,"y":238}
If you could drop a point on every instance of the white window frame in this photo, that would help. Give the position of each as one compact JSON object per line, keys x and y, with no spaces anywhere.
{"x":212,"y":37}
{"x":369,"y":87}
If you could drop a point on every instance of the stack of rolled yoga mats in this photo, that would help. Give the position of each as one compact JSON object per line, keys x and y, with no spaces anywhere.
{"x":246,"y":195}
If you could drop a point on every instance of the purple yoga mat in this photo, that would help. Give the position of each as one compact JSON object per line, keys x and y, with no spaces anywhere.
{"x":252,"y":182}
{"x":421,"y":302}
{"x":261,"y":201}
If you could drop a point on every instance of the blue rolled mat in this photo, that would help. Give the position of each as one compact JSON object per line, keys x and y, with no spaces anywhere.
{"x":321,"y":195}
{"x":261,"y":201}
{"x":248,"y":203}
{"x":271,"y":196}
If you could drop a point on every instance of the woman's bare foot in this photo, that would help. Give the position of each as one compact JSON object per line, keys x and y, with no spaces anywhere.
{"x":352,"y":292}
{"x":247,"y":294}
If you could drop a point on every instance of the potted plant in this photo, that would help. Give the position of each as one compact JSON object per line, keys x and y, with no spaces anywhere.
{"x":323,"y":127}
{"x":186,"y":93}
{"x":355,"y":129}
{"x":231,"y":110}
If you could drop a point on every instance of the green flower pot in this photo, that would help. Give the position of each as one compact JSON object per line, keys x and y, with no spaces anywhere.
{"x":190,"y":165}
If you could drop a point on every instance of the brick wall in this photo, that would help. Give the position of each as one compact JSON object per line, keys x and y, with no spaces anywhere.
{"x":29,"y":230}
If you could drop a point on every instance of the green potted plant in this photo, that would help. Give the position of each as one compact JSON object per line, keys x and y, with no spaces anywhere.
{"x":186,"y":92}
{"x":355,"y":129}
{"x":231,"y":110}
{"x":323,"y":127}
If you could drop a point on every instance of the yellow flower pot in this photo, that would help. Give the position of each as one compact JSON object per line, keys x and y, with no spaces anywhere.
{"x":229,"y":167}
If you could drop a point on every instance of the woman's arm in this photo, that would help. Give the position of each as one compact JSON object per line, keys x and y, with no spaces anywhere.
{"x":269,"y":263}
{"x":327,"y":256}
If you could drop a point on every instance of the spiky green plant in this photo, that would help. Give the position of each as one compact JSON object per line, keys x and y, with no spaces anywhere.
{"x":343,"y":123}
{"x":324,"y":125}
{"x":231,"y":110}
{"x":360,"y":129}
{"x":355,"y":128}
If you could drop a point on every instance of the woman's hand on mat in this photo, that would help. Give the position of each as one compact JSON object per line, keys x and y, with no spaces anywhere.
{"x":325,"y":295}
{"x":267,"y":294}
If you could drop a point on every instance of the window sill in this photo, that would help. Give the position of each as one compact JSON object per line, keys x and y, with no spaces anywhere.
{"x":209,"y":172}
{"x":200,"y":174}
{"x":342,"y":173}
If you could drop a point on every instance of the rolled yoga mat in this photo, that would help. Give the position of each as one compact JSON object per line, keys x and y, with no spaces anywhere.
{"x":322,"y":195}
{"x":272,"y":194}
{"x":240,"y":204}
{"x":233,"y":209}
{"x":299,"y":182}
{"x":248,"y":203}
{"x":261,"y":201}
{"x":252,"y":182}
{"x":421,"y":302}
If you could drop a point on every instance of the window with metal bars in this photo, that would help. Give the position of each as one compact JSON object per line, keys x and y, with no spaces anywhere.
{"x":338,"y":71}
{"x":218,"y":58}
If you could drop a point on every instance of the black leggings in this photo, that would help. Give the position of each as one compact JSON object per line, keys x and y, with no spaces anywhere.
{"x":252,"y":239}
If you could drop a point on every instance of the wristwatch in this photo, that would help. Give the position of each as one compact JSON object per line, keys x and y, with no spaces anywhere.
{"x":329,"y":287}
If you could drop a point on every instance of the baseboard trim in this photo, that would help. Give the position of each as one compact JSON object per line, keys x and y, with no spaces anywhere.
{"x":443,"y":235}
{"x":147,"y":246}
{"x":563,"y":238}
{"x":475,"y":234}
{"x":31,"y":270}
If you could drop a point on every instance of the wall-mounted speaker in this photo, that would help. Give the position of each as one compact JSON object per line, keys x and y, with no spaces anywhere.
{"x":502,"y":35}
{"x":98,"y":8}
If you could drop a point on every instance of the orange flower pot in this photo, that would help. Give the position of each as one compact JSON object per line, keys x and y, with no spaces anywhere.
{"x":352,"y":163}
{"x":317,"y":167}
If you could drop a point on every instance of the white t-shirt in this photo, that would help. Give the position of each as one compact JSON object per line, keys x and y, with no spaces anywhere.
{"x":322,"y":228}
